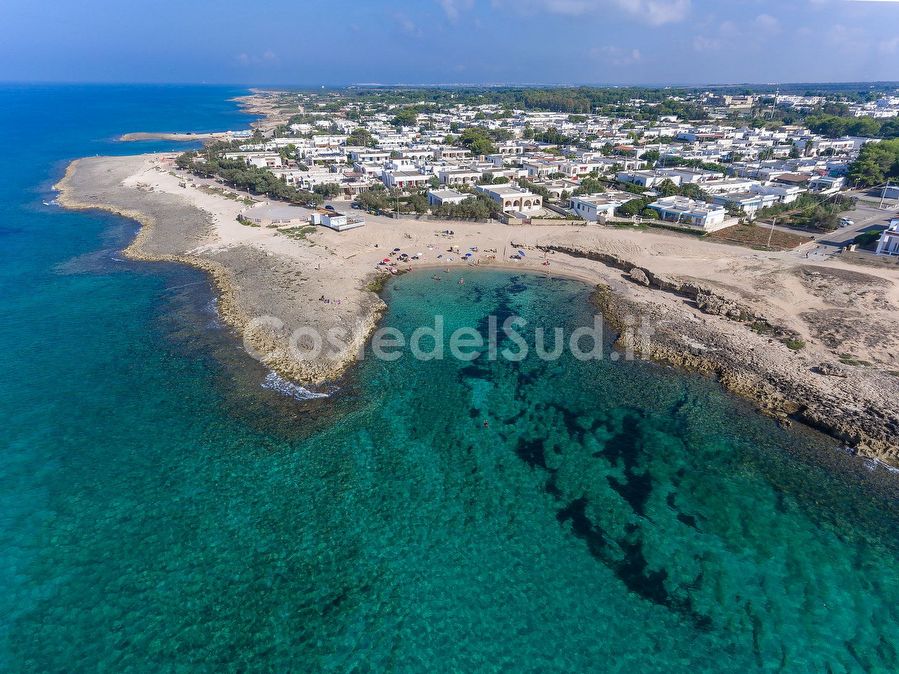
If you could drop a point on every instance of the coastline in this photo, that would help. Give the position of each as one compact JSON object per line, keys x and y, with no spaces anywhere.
{"x":716,"y":309}
{"x":179,"y":137}
{"x":269,"y":344}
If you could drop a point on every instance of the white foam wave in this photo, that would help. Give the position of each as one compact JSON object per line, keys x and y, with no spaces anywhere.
{"x":275,"y":382}
{"x":877,"y":464}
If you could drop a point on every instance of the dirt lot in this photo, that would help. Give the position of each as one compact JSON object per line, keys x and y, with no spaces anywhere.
{"x":753,"y":236}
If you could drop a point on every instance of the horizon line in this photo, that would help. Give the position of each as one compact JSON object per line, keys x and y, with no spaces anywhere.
{"x":451,"y":85}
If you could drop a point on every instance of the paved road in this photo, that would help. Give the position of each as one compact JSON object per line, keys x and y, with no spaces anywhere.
{"x":865,"y":216}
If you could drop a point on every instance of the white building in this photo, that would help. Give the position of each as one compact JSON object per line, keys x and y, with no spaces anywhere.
{"x":438,"y":197}
{"x":405,"y":179}
{"x":447,"y":152}
{"x":541,"y":168}
{"x":367,"y":155}
{"x":649,"y":179}
{"x":459,"y":176}
{"x":336,"y":221}
{"x":692,"y":175}
{"x":889,"y":240}
{"x":826,"y":184}
{"x":594,"y":207}
{"x":512,"y":199}
{"x":729,"y":185}
{"x":748,"y":202}
{"x":257,"y":159}
{"x":689,"y":213}
{"x":785,"y":193}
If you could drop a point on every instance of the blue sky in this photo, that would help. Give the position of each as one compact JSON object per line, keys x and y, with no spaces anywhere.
{"x":312,"y":42}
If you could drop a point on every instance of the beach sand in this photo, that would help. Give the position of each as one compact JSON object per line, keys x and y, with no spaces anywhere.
{"x":717,"y":308}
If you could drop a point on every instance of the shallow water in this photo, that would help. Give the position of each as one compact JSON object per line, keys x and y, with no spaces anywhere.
{"x":161,"y":509}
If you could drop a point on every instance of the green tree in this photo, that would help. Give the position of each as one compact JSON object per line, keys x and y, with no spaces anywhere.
{"x":361,"y":137}
{"x":327,"y":190}
{"x":652,"y":156}
{"x":876,"y":163}
{"x":667,"y":188}
{"x":477,"y":140}
{"x":373,"y":200}
{"x":405,"y":117}
{"x":632,"y":207}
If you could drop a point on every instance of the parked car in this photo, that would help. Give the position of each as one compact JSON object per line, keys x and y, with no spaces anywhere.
{"x":846,"y":222}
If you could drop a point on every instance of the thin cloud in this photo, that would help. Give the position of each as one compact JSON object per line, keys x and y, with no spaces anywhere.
{"x":653,"y":12}
{"x":453,"y":8}
{"x":617,"y":56}
{"x":407,"y":25}
{"x":267,"y":57}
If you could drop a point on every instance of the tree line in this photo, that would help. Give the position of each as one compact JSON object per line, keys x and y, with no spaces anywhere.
{"x":239,"y":174}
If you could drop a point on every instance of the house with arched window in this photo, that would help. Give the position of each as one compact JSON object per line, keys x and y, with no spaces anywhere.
{"x":512,"y":199}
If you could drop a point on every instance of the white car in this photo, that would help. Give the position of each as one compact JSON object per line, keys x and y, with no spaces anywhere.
{"x":846,"y":222}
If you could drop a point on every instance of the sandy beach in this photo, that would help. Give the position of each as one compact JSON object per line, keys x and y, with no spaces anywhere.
{"x":715,"y":308}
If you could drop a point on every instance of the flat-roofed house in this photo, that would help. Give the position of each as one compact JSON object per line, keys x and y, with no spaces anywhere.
{"x":257,"y":159}
{"x":369,"y":155}
{"x":447,"y":152}
{"x":438,"y":197}
{"x":826,"y":184}
{"x":748,"y":202}
{"x":459,"y":176}
{"x":690,"y":214}
{"x":512,"y":199}
{"x":647,"y":179}
{"x":594,"y":207}
{"x":405,"y":179}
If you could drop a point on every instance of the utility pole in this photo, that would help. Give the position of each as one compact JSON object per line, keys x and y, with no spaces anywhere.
{"x":771,"y":232}
{"x":883,"y":195}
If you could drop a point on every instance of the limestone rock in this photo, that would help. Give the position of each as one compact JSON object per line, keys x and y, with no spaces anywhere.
{"x":638,"y":275}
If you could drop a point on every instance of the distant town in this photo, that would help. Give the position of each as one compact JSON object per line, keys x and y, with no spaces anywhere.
{"x":743,"y":165}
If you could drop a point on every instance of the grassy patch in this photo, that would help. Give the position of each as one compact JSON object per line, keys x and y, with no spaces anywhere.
{"x":624,"y":224}
{"x":849,"y":359}
{"x":794,"y":344}
{"x":298,"y":233}
{"x":761,"y":327}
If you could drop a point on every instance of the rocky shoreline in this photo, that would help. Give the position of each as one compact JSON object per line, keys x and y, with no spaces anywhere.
{"x":250,"y":283}
{"x":744,"y":352}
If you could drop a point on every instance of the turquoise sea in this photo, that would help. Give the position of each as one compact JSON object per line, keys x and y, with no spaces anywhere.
{"x":161,"y":510}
